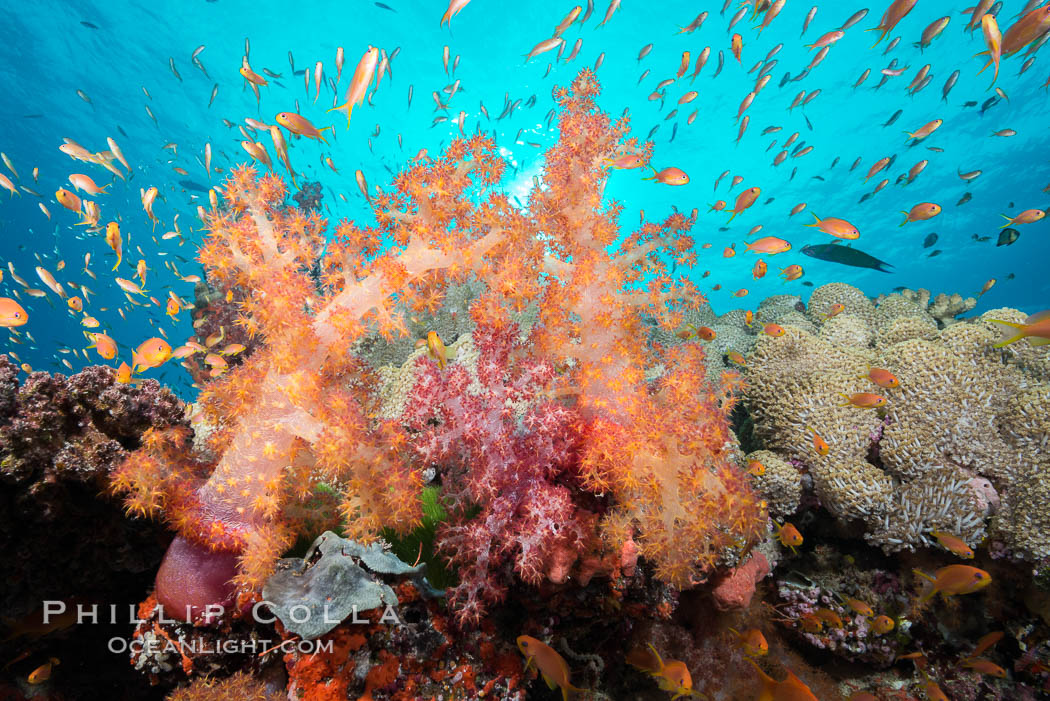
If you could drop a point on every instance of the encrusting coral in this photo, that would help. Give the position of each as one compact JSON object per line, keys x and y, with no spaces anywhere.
{"x":620,"y":467}
{"x":964,"y":430}
{"x":59,"y":439}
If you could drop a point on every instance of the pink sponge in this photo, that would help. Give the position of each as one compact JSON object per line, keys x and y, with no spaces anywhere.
{"x":735,"y":590}
{"x":192,"y":577}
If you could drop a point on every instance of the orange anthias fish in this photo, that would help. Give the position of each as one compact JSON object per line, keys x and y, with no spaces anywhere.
{"x":921,"y":212}
{"x":860,"y":607}
{"x":124,"y":374}
{"x":788,"y":535}
{"x":1029,"y":216}
{"x":819,"y":444}
{"x":863,"y":400}
{"x":114,"y":241}
{"x":983,"y":666}
{"x":151,"y":353}
{"x":68,"y":200}
{"x":894,"y":14}
{"x":671,"y":675}
{"x":954,"y":580}
{"x":883,"y":378}
{"x":774,"y":330}
{"x":954,"y":544}
{"x":986,"y":641}
{"x":1036,"y":327}
{"x":925,"y":130}
{"x":454,"y":8}
{"x":737,"y":46}
{"x":298,"y":124}
{"x":744,"y":200}
{"x":1026,"y":30}
{"x":551,"y":665}
{"x":42,"y":673}
{"x":993,"y":39}
{"x":11,"y":313}
{"x":435,"y":348}
{"x":791,"y":689}
{"x":835,"y":310}
{"x":669,"y":176}
{"x":769,"y":244}
{"x":759,"y":269}
{"x":792,"y":272}
{"x":839,"y":228}
{"x":627,"y":161}
{"x":366,"y":69}
{"x":105,"y":345}
{"x":882,"y":624}
{"x":752,"y":642}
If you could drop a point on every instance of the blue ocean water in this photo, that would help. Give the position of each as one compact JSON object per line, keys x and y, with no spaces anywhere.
{"x":117,"y":52}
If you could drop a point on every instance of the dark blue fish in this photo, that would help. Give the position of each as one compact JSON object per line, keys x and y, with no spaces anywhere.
{"x":964,"y":199}
{"x":808,"y":123}
{"x":195,"y":187}
{"x":1007,"y":237}
{"x":32,"y":116}
{"x":930,"y":240}
{"x":988,"y":104}
{"x":122,"y":132}
{"x":970,"y":103}
{"x":721,"y":63}
{"x":845,"y":255}
{"x":936,"y":252}
{"x":785,"y":79}
{"x":89,"y":25}
{"x":894,"y":118}
{"x":385,"y":7}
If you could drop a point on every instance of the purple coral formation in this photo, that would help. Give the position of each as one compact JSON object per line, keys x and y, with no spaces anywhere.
{"x":59,"y":438}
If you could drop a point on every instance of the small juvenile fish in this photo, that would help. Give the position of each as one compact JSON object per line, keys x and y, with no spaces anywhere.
{"x":174,"y":71}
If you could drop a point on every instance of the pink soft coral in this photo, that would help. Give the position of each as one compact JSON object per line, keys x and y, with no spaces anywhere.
{"x":506,"y":449}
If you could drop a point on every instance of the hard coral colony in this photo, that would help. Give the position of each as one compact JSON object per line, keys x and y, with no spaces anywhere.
{"x":593,"y":462}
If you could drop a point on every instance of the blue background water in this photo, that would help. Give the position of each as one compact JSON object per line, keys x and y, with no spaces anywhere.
{"x":48,"y":54}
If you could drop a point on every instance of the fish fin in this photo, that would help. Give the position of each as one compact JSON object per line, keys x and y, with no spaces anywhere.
{"x":1038,"y":316}
{"x":905,"y":218}
{"x":1039,"y":341}
{"x":1009,"y":221}
{"x":549,"y":680}
{"x":923,"y":575}
{"x":769,"y":684}
{"x":817,"y":222}
{"x":659,"y":660}
{"x":846,"y":397}
{"x":1007,"y":339}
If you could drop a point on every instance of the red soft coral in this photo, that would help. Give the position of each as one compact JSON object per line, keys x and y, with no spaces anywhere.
{"x":504,"y":448}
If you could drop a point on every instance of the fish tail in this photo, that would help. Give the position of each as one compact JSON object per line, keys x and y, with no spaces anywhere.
{"x":911,"y":135}
{"x":1007,"y":338}
{"x":320,"y":133}
{"x":817,"y":222}
{"x":1009,"y":221}
{"x":734,"y":217}
{"x":985,"y":65}
{"x":905,"y":218}
{"x":922,"y":574}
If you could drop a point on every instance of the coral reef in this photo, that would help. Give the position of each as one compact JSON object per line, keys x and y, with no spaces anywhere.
{"x":60,"y":438}
{"x":544,"y":449}
{"x":945,"y":448}
{"x":944,"y":308}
